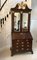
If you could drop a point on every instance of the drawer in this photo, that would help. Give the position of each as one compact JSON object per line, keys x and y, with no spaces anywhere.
{"x":16,"y":44}
{"x":29,"y":41}
{"x":28,"y":49}
{"x":22,"y":42}
{"x":17,"y":50}
{"x":22,"y":45}
{"x":22,"y":49}
{"x":28,"y":46}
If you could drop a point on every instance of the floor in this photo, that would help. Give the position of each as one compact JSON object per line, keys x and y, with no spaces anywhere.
{"x":5,"y":55}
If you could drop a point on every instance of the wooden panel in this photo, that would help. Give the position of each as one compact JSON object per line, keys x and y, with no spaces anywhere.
{"x":22,"y":36}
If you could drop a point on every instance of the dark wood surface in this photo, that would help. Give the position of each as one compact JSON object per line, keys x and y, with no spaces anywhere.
{"x":21,"y":36}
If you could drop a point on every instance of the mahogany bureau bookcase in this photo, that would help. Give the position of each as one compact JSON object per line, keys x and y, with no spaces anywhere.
{"x":20,"y":31}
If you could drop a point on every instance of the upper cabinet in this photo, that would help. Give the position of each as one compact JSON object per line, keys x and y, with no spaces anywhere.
{"x":21,"y":18}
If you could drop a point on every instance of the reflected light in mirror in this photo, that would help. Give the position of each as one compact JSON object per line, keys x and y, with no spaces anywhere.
{"x":25,"y":20}
{"x":16,"y":20}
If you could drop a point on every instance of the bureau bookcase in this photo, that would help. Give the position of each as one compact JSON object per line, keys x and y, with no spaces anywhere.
{"x":20,"y":31}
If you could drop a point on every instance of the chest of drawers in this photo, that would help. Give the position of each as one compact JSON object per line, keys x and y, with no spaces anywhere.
{"x":21,"y":42}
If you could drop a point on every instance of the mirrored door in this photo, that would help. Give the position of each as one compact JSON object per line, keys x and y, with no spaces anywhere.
{"x":16,"y":22}
{"x":25,"y":22}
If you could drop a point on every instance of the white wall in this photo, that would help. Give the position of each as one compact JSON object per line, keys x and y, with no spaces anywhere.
{"x":2,"y":1}
{"x":34,"y":22}
{"x":5,"y":32}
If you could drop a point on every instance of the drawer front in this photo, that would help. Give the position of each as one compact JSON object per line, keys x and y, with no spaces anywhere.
{"x":22,"y":45}
{"x":16,"y":45}
{"x":28,"y":45}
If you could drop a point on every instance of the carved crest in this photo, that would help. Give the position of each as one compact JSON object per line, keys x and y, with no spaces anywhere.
{"x":21,"y":5}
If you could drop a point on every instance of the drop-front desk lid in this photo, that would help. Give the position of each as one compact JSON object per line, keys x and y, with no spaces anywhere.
{"x":21,"y":36}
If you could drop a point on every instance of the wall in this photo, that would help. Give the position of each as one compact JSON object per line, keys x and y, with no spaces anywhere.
{"x":34,"y":22}
{"x":5,"y":32}
{"x":0,"y":3}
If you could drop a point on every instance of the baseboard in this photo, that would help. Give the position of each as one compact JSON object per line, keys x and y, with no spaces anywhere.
{"x":2,"y":48}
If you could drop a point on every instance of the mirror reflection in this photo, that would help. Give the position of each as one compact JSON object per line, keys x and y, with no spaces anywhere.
{"x":25,"y":22}
{"x":16,"y":22}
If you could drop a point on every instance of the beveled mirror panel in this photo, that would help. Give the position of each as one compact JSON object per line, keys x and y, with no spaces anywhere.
{"x":25,"y":22}
{"x":17,"y":22}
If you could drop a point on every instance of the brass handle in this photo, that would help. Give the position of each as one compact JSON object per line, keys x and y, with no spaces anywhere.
{"x":27,"y":49}
{"x":27,"y":42}
{"x":17,"y":40}
{"x":27,"y":45}
{"x":17,"y":43}
{"x":17,"y":50}
{"x":22,"y":45}
{"x":22,"y":42}
{"x":22,"y":48}
{"x":17,"y":46}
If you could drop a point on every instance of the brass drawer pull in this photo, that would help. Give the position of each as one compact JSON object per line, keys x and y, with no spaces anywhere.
{"x":17,"y":40}
{"x":17,"y":50}
{"x":27,"y":49}
{"x":22,"y":42}
{"x":17,"y":46}
{"x":22,"y":48}
{"x":17,"y":43}
{"x":27,"y":45}
{"x":26,"y":40}
{"x":22,"y":45}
